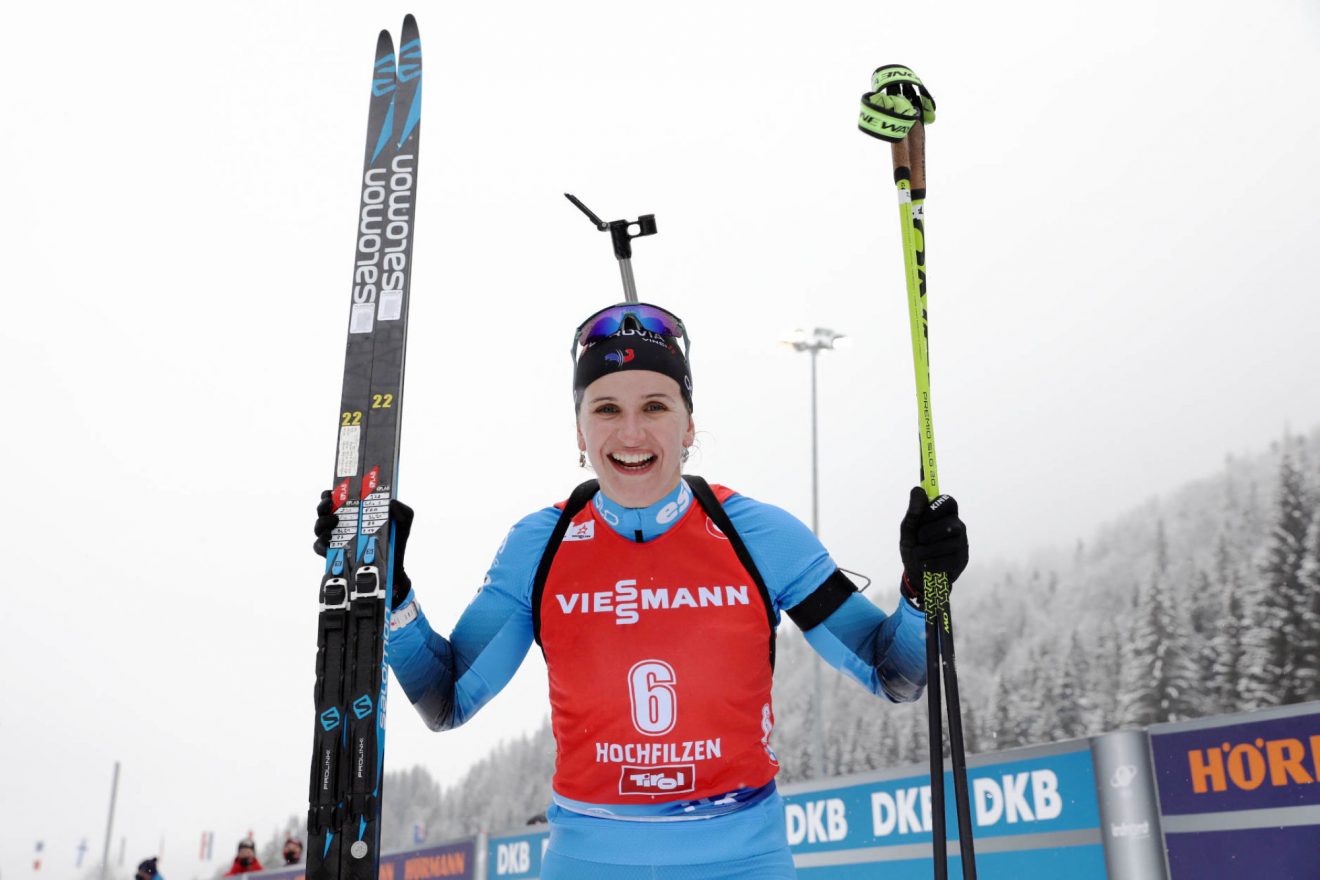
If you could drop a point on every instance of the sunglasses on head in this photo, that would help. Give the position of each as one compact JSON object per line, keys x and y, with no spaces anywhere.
{"x":638,"y":316}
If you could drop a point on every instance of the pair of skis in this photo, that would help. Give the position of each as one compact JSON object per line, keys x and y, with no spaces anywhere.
{"x":897,"y":111}
{"x":343,"y":820}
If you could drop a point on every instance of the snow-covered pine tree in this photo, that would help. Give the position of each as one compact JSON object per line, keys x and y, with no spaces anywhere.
{"x":1001,"y":723}
{"x":871,"y":745}
{"x":1024,"y":700}
{"x":918,"y":735}
{"x":408,"y":797}
{"x":1107,"y":674}
{"x":1158,"y":677}
{"x":1039,"y":717}
{"x":971,"y":734}
{"x":1276,"y":649}
{"x":1309,"y":625}
{"x":1072,"y":702}
{"x":1161,"y":547}
{"x":1226,"y":670}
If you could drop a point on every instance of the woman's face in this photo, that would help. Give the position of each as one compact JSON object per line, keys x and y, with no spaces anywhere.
{"x":633,"y":426}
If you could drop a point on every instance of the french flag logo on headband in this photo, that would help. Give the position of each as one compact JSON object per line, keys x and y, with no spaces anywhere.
{"x":619,"y":358}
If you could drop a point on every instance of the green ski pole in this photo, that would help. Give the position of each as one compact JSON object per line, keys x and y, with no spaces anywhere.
{"x":897,"y":111}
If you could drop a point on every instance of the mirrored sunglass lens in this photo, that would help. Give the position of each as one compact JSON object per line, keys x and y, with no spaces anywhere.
{"x":605,"y":325}
{"x":609,"y":323}
{"x":656,"y":325}
{"x":659,"y":321}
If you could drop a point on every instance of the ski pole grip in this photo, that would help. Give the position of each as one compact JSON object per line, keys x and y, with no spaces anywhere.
{"x":897,"y":102}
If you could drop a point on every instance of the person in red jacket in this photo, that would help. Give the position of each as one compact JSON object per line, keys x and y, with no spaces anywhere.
{"x":246,"y":860}
{"x":293,"y":851}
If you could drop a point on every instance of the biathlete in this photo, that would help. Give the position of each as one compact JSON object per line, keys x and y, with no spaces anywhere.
{"x":654,"y":598}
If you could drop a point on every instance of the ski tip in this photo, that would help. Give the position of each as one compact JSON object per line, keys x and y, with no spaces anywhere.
{"x":385,"y":69}
{"x":410,"y":62}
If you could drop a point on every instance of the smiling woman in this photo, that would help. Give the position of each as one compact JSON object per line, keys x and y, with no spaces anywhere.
{"x":633,"y":391}
{"x":655,"y":598}
{"x":635,"y":430}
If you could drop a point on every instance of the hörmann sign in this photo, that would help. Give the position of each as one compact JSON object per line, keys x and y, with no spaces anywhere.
{"x":1240,"y":794}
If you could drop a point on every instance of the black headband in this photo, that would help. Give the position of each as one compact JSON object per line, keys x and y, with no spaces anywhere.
{"x":632,"y":349}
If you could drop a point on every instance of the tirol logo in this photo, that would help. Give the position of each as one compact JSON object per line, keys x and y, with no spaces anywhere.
{"x":330,"y":718}
{"x":669,"y":779}
{"x":370,"y":481}
{"x":340,"y":495}
{"x":619,"y":358}
{"x":362,"y":706}
{"x":1246,"y":766}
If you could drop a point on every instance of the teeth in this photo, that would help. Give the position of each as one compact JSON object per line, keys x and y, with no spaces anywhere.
{"x":631,"y":457}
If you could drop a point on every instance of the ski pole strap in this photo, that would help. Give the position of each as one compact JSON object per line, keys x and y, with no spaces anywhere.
{"x":891,"y":110}
{"x":404,"y":615}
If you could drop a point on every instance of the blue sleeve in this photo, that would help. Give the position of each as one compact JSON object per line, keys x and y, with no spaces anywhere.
{"x":448,"y":680}
{"x":886,"y":653}
{"x":790,"y":558}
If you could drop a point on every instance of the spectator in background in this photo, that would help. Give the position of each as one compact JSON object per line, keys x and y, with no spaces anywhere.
{"x":147,"y":870}
{"x":246,"y":860}
{"x":293,"y":849}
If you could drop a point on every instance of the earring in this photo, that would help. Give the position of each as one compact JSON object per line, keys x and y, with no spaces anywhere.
{"x":582,"y":459}
{"x":686,"y":452}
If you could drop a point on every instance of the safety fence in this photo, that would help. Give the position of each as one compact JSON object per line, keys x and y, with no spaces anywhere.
{"x":1231,"y":797}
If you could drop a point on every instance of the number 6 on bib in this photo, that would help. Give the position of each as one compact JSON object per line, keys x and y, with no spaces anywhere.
{"x":651,"y":692}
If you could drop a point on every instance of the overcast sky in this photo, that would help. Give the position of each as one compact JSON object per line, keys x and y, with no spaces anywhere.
{"x":1122,"y":257}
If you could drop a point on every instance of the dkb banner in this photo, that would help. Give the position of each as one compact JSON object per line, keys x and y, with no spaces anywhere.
{"x":515,"y":856}
{"x":1035,"y":814}
{"x":1240,"y":794}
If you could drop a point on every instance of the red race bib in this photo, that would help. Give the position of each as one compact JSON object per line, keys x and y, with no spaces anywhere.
{"x":659,"y":664}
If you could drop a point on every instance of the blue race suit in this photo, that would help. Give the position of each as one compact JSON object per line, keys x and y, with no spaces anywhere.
{"x":743,"y":832}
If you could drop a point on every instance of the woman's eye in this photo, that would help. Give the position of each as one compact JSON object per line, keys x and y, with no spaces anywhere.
{"x":606,"y":409}
{"x":656,"y":406}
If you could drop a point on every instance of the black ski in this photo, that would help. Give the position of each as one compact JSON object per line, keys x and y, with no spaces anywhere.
{"x":344,"y":809}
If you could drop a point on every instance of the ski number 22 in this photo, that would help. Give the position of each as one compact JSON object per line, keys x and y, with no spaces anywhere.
{"x":651,"y":691}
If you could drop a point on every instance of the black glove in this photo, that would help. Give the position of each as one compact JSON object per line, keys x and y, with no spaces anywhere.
{"x":326,"y":520}
{"x":930,"y":538}
{"x":401,"y":518}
